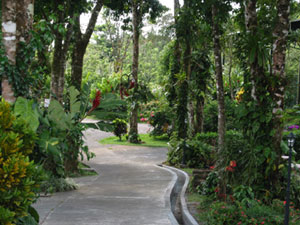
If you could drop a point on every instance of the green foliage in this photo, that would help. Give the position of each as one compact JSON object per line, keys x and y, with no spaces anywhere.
{"x":134,"y":138}
{"x":194,"y":153}
{"x":120,"y":127}
{"x":210,"y":138}
{"x":243,"y":194}
{"x":211,"y":115}
{"x":19,"y":177}
{"x":110,"y":108}
{"x":160,"y":121}
{"x":26,"y":74}
{"x":27,"y":110}
{"x":182,"y":110}
{"x":60,"y":138}
{"x":255,"y":213}
{"x":210,"y":185}
{"x":57,"y":184}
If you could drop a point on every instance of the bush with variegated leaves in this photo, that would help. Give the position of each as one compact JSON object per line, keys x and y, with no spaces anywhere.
{"x":18,"y":175}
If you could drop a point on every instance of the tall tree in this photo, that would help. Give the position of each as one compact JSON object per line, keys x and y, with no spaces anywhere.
{"x":136,"y":21}
{"x":80,"y":44}
{"x":139,"y":9}
{"x":17,"y":18}
{"x":219,"y":77}
{"x":60,"y":17}
{"x":280,"y":34}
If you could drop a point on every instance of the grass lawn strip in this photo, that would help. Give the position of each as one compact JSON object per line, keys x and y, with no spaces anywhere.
{"x":147,"y":141}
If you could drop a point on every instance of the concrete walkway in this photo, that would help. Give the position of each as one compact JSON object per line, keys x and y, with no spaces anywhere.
{"x":129,"y":190}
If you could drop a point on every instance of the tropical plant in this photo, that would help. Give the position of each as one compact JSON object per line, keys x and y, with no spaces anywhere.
{"x":120,"y":128}
{"x":19,"y":177}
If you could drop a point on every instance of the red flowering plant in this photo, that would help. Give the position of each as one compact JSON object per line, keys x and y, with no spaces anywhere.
{"x":231,"y":166}
{"x":96,"y":102}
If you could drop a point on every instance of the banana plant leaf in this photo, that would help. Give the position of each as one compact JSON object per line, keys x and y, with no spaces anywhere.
{"x":101,"y":125}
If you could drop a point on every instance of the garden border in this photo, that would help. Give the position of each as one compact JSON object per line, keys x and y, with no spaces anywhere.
{"x":187,"y":218}
{"x":169,"y":193}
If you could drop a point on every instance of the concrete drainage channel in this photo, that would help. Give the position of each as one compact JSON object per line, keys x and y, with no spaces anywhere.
{"x":176,"y":197}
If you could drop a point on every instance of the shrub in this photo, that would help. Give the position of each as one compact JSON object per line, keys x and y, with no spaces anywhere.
{"x":161,"y":123}
{"x":200,"y":151}
{"x":194,"y":153}
{"x":255,"y":212}
{"x":211,"y":115}
{"x":120,"y":127}
{"x":19,"y":177}
{"x":210,"y":138}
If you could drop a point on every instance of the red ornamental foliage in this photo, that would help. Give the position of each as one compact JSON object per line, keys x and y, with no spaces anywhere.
{"x":126,"y":93}
{"x":131,"y":85}
{"x":229,"y":168}
{"x":96,"y":101}
{"x":121,"y":93}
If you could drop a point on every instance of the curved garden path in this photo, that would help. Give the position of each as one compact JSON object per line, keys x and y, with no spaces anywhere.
{"x":129,"y":189}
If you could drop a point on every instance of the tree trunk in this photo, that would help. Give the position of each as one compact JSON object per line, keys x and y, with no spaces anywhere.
{"x":25,"y":9}
{"x":133,"y":130}
{"x":58,"y":69}
{"x":187,"y":66}
{"x":199,"y":115}
{"x":81,"y":44}
{"x":17,"y":18}
{"x":257,"y":71}
{"x":278,"y":69}
{"x":191,"y":116}
{"x":219,"y":80}
{"x":229,"y":77}
{"x":61,"y":47}
{"x":9,"y":29}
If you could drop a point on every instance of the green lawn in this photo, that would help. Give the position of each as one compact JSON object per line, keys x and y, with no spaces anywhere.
{"x":146,"y":139}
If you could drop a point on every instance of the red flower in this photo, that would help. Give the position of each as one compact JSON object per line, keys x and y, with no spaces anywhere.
{"x":217,"y":190}
{"x":284,"y":202}
{"x":233,"y":163}
{"x":229,"y":168}
{"x":211,"y":167}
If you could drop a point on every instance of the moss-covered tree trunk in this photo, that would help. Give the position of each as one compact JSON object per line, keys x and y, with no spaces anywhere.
{"x":199,"y":123}
{"x":17,"y":19}
{"x":9,"y":32}
{"x":280,"y":35}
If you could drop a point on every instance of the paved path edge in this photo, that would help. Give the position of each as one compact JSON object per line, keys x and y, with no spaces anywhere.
{"x":187,"y":218}
{"x":168,"y":194}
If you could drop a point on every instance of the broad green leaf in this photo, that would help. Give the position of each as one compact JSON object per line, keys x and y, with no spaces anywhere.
{"x":74,"y":103}
{"x":57,"y":114}
{"x":101,"y":125}
{"x":110,"y":101}
{"x":24,"y":109}
{"x":106,"y":115}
